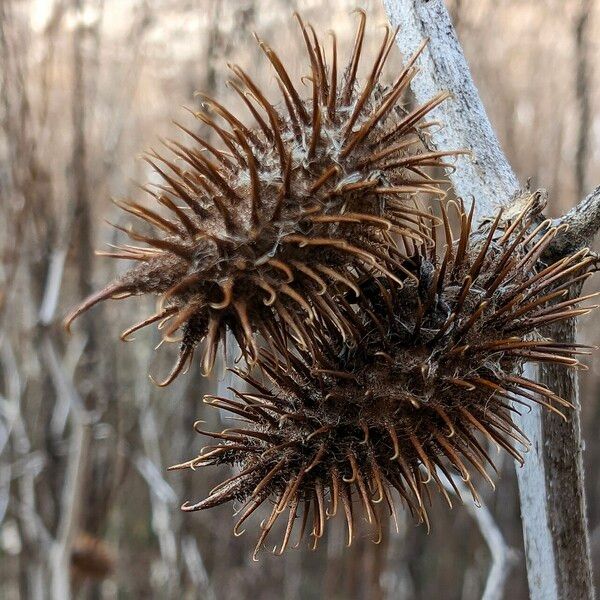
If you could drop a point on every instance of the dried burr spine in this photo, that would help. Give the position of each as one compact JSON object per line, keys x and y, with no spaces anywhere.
{"x":265,"y":228}
{"x":436,"y":378}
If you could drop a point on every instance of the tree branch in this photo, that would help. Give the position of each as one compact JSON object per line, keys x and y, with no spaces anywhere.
{"x":502,"y":555}
{"x":554,"y":521}
{"x":488,"y":176}
{"x":73,"y":488}
{"x":583,"y":221}
{"x":564,"y":477}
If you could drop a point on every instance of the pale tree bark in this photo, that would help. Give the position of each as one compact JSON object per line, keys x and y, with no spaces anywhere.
{"x":551,"y":484}
{"x":486,"y":176}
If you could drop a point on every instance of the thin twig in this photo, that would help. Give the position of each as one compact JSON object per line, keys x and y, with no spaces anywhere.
{"x":502,"y":555}
{"x":73,"y":489}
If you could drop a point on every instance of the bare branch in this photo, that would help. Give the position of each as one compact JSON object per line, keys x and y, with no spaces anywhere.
{"x":195,"y":565}
{"x":563,"y":457}
{"x":503,"y":556}
{"x":53,"y":285}
{"x":583,"y":221}
{"x":537,"y":535}
{"x":149,"y":464}
{"x":35,"y":536}
{"x":487,"y":177}
{"x":72,"y":499}
{"x":60,"y":560}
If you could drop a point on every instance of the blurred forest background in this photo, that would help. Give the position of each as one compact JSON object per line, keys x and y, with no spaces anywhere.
{"x":85,"y":437}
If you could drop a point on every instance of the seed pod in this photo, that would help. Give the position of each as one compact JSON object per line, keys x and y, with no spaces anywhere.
{"x":436,"y":377}
{"x":91,"y":558}
{"x":266,"y":229}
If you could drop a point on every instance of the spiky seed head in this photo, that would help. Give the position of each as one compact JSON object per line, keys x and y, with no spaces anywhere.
{"x":437,"y":376}
{"x":270,"y":224}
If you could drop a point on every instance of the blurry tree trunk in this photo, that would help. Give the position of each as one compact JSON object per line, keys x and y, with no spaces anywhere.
{"x":583,"y":95}
{"x":553,"y":512}
{"x":71,"y":505}
{"x":99,"y":370}
{"x":83,"y":239}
